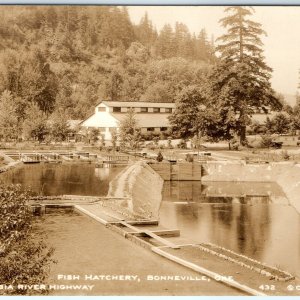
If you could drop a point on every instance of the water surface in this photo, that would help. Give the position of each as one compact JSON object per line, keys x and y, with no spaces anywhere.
{"x":63,"y":179}
{"x":254,"y":219}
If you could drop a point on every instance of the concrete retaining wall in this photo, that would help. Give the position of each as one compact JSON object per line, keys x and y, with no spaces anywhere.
{"x":180,"y":171}
{"x":239,"y":171}
{"x":142,"y":185}
{"x":163,"y":169}
{"x":285,"y":174}
{"x":290,"y":184}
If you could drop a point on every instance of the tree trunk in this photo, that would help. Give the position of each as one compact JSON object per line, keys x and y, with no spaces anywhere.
{"x":243,"y":135}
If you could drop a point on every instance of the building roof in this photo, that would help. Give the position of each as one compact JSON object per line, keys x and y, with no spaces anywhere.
{"x":147,"y":120}
{"x":138,"y":104}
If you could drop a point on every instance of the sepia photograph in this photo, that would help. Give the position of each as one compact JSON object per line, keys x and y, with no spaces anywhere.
{"x":149,"y":150}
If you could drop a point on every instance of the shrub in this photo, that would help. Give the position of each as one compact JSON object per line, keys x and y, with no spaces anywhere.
{"x":94,"y":135}
{"x":148,"y":136}
{"x":156,"y":140}
{"x":255,"y":144}
{"x":285,"y":155}
{"x":234,"y":144}
{"x":182,"y":144}
{"x":24,"y":257}
{"x":266,"y":141}
{"x":189,"y":157}
{"x":170,"y":143}
{"x":159,"y":157}
{"x":150,"y":146}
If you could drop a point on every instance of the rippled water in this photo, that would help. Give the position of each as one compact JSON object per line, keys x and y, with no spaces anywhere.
{"x":60,"y":179}
{"x":254,"y":219}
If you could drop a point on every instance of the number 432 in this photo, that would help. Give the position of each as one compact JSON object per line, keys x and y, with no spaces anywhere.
{"x":267,"y":287}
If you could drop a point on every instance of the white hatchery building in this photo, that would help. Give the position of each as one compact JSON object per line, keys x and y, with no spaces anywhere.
{"x":151,"y":117}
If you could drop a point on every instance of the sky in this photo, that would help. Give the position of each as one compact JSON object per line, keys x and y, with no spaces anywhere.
{"x":282,"y":24}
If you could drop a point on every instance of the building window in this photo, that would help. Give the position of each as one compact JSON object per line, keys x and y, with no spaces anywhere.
{"x":112,"y":129}
{"x":102,"y":129}
{"x":168,"y":110}
{"x":150,"y":129}
{"x":163,"y":128}
{"x":144,"y":109}
{"x":116,"y":109}
{"x":101,"y":108}
{"x":156,"y":109}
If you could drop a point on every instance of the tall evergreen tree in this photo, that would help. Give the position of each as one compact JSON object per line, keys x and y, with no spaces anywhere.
{"x":165,"y":44}
{"x":241,"y":81}
{"x":129,"y":131}
{"x":9,"y":123}
{"x":145,"y":32}
{"x":296,"y":109}
{"x":35,"y":124}
{"x":204,"y":47}
{"x":182,"y":40}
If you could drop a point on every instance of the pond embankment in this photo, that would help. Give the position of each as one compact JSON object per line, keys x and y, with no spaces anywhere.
{"x":285,"y":174}
{"x":142,"y":186}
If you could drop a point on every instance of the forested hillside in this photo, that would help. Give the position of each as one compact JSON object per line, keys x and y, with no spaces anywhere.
{"x":59,"y":61}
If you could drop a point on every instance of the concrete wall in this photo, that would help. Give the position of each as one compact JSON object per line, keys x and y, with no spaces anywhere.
{"x":290,"y":184}
{"x":143,"y":187}
{"x":163,"y":169}
{"x":285,"y":174}
{"x":179,"y":171}
{"x":240,"y":171}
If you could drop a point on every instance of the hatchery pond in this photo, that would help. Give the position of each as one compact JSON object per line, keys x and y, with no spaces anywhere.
{"x":254,"y":219}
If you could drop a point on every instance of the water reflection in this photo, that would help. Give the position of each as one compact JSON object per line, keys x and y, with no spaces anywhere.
{"x":72,"y":179}
{"x":254,"y":219}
